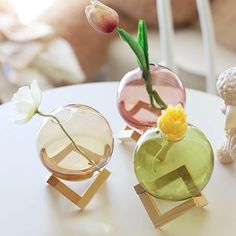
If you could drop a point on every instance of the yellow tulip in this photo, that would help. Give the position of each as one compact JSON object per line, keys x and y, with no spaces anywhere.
{"x":172,"y":123}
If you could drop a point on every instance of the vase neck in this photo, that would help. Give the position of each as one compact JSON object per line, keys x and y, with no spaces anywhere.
{"x":171,"y":139}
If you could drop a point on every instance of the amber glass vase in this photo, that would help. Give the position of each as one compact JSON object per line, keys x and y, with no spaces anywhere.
{"x":173,"y":170}
{"x":92,"y":135}
{"x":133,"y":100}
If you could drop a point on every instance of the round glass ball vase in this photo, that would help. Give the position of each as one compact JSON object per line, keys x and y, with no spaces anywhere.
{"x":173,"y":170}
{"x":133,"y":100}
{"x":88,"y":129}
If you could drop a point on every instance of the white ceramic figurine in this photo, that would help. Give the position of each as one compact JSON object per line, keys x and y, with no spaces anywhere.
{"x":226,"y":87}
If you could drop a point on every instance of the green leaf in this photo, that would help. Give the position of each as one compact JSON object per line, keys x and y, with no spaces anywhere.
{"x":124,"y":35}
{"x":142,"y":40}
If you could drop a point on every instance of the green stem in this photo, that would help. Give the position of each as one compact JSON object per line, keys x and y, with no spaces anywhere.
{"x":159,"y":101}
{"x":153,"y":95}
{"x":161,"y":154}
{"x":66,"y":133}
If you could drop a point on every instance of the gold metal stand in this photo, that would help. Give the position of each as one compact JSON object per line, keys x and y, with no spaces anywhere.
{"x":159,"y":219}
{"x":80,"y":201}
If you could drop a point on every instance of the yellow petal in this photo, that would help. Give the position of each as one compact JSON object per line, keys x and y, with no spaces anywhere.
{"x":173,"y":122}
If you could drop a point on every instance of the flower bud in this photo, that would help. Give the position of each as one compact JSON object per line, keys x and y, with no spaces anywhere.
{"x":102,"y":18}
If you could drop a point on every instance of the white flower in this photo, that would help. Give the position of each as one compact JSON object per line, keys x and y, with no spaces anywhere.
{"x":26,"y":102}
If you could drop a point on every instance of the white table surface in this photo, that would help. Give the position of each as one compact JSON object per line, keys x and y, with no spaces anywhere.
{"x":28,"y":206}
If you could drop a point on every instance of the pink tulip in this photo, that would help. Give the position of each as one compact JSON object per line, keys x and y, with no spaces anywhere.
{"x":101,"y":17}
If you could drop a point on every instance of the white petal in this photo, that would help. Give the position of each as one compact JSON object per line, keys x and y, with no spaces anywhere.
{"x":230,"y":117}
{"x":18,"y":118}
{"x":21,"y":120}
{"x":23,"y":111}
{"x":23,"y":95}
{"x":24,"y":108}
{"x":26,"y":101}
{"x":36,"y":93}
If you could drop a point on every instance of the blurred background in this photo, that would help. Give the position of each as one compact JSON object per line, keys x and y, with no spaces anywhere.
{"x":51,"y":41}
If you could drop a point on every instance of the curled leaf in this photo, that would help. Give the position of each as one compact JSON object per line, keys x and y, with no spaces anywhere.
{"x":124,"y":35}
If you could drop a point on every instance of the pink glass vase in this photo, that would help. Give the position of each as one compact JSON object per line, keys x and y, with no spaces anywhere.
{"x":133,"y":100}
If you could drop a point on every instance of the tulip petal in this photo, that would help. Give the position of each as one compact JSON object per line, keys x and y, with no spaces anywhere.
{"x":36,"y":93}
{"x":101,"y":17}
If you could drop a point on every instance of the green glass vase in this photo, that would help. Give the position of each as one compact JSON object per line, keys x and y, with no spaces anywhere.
{"x":173,"y":170}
